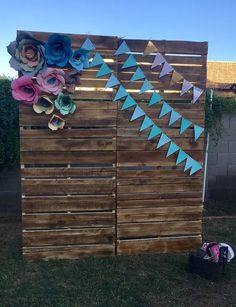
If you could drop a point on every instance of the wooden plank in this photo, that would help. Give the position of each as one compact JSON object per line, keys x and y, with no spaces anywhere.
{"x":68,"y":237}
{"x":151,"y":230}
{"x":159,"y":245}
{"x":65,"y":220}
{"x":73,"y":203}
{"x":158,"y":181}
{"x":161,"y":188}
{"x":158,"y":195}
{"x":154,"y":173}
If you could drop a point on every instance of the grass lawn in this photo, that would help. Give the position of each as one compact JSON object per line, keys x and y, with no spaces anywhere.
{"x":145,"y":280}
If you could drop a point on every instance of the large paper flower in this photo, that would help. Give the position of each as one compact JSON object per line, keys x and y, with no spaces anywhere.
{"x":24,"y":89}
{"x":65,"y":104}
{"x":27,"y":54}
{"x":51,"y":80}
{"x":80,"y":59}
{"x":72,"y":78}
{"x":58,"y":50}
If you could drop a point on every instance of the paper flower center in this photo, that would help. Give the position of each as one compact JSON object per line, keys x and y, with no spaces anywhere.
{"x":52,"y":80}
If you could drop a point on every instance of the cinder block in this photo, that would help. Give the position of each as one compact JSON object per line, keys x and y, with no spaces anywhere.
{"x":232,"y":147}
{"x":232,"y":171}
{"x":223,"y":159}
{"x":226,"y":120}
{"x":212,"y":158}
{"x":232,"y":121}
{"x":222,"y":146}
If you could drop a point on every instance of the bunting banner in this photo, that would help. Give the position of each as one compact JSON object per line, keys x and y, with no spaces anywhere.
{"x":147,"y":85}
{"x":166,"y":69}
{"x":197,"y":92}
{"x":185,"y":87}
{"x":155,"y":131}
{"x":97,"y":60}
{"x":172,"y":149}
{"x":176,"y":77}
{"x":156,"y":97}
{"x":121,"y":93}
{"x":165,"y":109}
{"x":138,"y":75}
{"x":174,"y":116}
{"x":185,"y":124}
{"x":112,"y":81}
{"x":88,"y":45}
{"x":159,"y":60}
{"x":123,"y":48}
{"x":147,"y":123}
{"x":128,"y":103}
{"x":104,"y":70}
{"x":138,"y":112}
{"x":150,"y":48}
{"x":130,"y":62}
{"x":198,"y":130}
{"x":164,"y":139}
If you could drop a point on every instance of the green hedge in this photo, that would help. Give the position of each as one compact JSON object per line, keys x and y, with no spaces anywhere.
{"x":9,"y":125}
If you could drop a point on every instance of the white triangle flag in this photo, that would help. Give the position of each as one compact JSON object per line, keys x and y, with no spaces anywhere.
{"x":197,"y":92}
{"x":159,"y":59}
{"x":185,"y":87}
{"x":166,"y":69}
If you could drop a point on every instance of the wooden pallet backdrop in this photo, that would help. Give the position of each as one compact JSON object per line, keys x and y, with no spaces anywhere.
{"x":98,"y":187}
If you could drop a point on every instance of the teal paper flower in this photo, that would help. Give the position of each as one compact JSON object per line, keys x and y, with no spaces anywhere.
{"x":65,"y":104}
{"x":80,"y":59}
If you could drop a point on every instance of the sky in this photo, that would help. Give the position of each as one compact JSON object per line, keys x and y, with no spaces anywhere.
{"x":195,"y":20}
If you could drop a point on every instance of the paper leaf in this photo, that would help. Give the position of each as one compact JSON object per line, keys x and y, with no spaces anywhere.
{"x":174,"y":116}
{"x":164,"y":139}
{"x":154,"y":132}
{"x":129,"y":102}
{"x":112,"y":81}
{"x":166,"y":69}
{"x":181,"y":157}
{"x":155,"y":99}
{"x":138,"y":112}
{"x":172,"y":149}
{"x":159,"y":59}
{"x":165,"y":109}
{"x":188,"y":164}
{"x":97,"y":60}
{"x":138,"y":75}
{"x":185,"y":124}
{"x":195,"y":167}
{"x":197,"y":92}
{"x":123,"y":48}
{"x":121,"y":93}
{"x":147,"y":122}
{"x":88,"y":45}
{"x":150,"y":48}
{"x":185,"y":87}
{"x":197,"y":132}
{"x":147,"y":85}
{"x":130,"y":62}
{"x":176,"y":77}
{"x":104,"y":70}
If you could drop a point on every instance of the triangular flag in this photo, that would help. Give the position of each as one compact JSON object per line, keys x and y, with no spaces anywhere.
{"x":154,"y":132}
{"x":112,"y":81}
{"x":88,"y":45}
{"x":155,"y":99}
{"x":97,"y":60}
{"x":129,"y":102}
{"x":164,"y":139}
{"x":185,"y":87}
{"x":181,"y":157}
{"x":172,"y":149}
{"x":104,"y":70}
{"x":121,"y":93}
{"x":130,"y":62}
{"x":174,"y":116}
{"x":185,"y":124}
{"x":147,"y":85}
{"x":138,"y":112}
{"x":195,"y":167}
{"x":123,"y":48}
{"x":150,"y":48}
{"x":165,"y":109}
{"x":159,"y":59}
{"x":166,"y":69}
{"x":147,"y":122}
{"x":197,"y":92}
{"x":176,"y":77}
{"x":197,"y":132}
{"x":139,"y":74}
{"x":188,"y":164}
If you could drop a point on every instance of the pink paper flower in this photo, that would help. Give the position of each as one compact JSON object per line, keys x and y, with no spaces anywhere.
{"x":24,"y":89}
{"x":51,"y":80}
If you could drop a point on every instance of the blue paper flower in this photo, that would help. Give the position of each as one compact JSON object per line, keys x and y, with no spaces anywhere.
{"x":58,"y":50}
{"x":80,"y":59}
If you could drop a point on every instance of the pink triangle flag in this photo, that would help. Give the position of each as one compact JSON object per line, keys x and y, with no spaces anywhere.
{"x":185,"y":87}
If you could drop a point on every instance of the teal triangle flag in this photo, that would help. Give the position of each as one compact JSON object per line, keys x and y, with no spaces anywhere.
{"x":165,"y":109}
{"x":121,"y":93}
{"x":138,"y":75}
{"x":130,"y":62}
{"x":181,"y":157}
{"x":97,"y":60}
{"x":195,"y":167}
{"x":197,"y":132}
{"x":188,"y":164}
{"x":147,"y":85}
{"x":154,"y":132}
{"x":123,"y":48}
{"x":104,"y":70}
{"x":174,"y":116}
{"x":172,"y":149}
{"x":185,"y":124}
{"x":164,"y":139}
{"x":147,"y":122}
{"x":88,"y":45}
{"x":112,"y":81}
{"x":155,"y":99}
{"x":129,"y":102}
{"x":138,"y":112}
